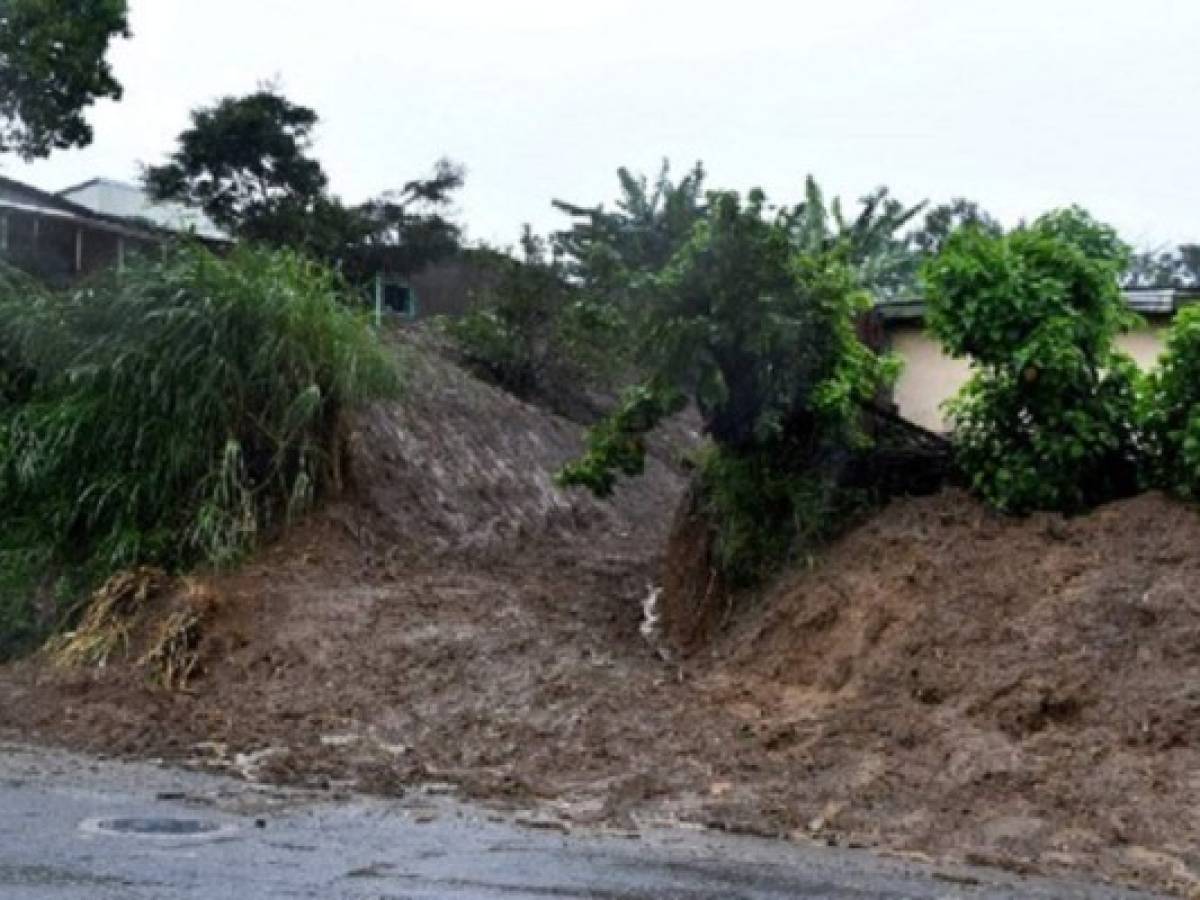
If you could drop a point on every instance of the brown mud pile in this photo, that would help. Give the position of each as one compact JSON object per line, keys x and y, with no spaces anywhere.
{"x":945,"y":681}
{"x":1012,"y":691}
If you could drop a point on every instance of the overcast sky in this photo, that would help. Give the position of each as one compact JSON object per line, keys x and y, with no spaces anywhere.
{"x":1021,"y":105}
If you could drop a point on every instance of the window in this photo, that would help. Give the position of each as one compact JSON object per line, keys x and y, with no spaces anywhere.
{"x":397,"y":297}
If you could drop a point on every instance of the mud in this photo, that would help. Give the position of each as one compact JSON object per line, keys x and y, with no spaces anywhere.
{"x":944,"y":681}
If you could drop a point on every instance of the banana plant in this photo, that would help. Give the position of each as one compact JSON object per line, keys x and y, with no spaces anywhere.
{"x":884,"y":261}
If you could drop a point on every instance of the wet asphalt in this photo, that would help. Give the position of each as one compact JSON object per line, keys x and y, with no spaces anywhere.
{"x":72,"y":827}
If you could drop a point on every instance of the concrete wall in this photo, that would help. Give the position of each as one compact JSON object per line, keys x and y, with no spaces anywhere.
{"x":930,"y":377}
{"x":449,"y":288}
{"x":1145,"y":344}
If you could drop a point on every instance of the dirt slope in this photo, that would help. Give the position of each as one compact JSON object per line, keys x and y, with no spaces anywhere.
{"x":1022,"y":690}
{"x":944,"y":681}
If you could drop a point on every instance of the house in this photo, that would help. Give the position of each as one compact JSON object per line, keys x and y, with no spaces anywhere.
{"x":931,"y":377}
{"x":60,"y":240}
{"x":448,"y":287}
{"x":74,"y":233}
{"x":128,"y":202}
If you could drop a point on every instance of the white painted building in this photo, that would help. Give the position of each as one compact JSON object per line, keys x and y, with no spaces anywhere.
{"x":931,"y":377}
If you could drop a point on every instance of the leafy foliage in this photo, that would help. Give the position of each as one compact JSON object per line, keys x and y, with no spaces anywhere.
{"x":616,"y":445}
{"x":760,"y":336}
{"x":769,"y":509}
{"x":1047,"y":419}
{"x":52,"y":67}
{"x":402,"y":231}
{"x":176,"y":412}
{"x":882,"y":260}
{"x":1177,"y":268}
{"x":650,"y":223}
{"x":531,"y":330}
{"x":246,"y":161}
{"x":1170,"y":410}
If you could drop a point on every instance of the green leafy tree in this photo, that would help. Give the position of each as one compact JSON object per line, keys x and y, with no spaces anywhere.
{"x":760,"y":336}
{"x":532,"y":330}
{"x":882,"y":260}
{"x":1047,"y":419}
{"x":605,"y":249}
{"x":246,"y":162}
{"x":650,"y":222}
{"x":1170,"y":410}
{"x":53,"y":66}
{"x":402,"y":231}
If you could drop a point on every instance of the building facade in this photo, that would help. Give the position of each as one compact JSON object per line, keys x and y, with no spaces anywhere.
{"x":97,"y":225}
{"x":931,"y":377}
{"x":60,"y":241}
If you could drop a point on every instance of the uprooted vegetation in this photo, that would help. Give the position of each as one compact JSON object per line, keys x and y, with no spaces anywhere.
{"x":171,"y":415}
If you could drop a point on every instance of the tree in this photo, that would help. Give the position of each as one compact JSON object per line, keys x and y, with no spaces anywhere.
{"x":1176,"y":268}
{"x":650,"y":222}
{"x":883,"y":262}
{"x":947,"y":218}
{"x":245,"y":161}
{"x":760,"y":336}
{"x":1047,"y":419}
{"x":534,"y":331}
{"x":403,"y":231}
{"x":53,"y":66}
{"x":1170,"y":410}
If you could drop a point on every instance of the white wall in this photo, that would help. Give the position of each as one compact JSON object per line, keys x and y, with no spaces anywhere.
{"x":930,"y":377}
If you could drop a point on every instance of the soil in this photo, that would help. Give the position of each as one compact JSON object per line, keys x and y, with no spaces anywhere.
{"x":942,"y":681}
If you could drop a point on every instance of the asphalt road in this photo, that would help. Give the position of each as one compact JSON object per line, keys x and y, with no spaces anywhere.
{"x":58,"y":813}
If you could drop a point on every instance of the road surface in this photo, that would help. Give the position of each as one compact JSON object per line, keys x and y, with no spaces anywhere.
{"x":70,"y":830}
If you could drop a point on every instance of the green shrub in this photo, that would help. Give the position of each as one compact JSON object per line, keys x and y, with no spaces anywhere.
{"x":768,"y":507}
{"x":177,"y":412}
{"x":1170,"y":411}
{"x":1047,"y":420}
{"x":535,"y":333}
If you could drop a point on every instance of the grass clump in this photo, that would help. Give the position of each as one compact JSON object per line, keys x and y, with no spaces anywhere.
{"x":171,"y":414}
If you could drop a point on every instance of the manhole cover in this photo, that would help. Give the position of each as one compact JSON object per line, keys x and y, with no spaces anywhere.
{"x":154,"y":827}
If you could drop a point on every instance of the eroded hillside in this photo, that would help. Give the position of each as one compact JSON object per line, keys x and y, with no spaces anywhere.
{"x":944,"y":680}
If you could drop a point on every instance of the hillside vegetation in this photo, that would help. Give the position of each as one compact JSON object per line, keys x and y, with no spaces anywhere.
{"x":169,"y":415}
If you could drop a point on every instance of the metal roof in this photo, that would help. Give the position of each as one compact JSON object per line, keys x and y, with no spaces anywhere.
{"x":130,"y":202}
{"x":15,"y":195}
{"x":1148,"y":301}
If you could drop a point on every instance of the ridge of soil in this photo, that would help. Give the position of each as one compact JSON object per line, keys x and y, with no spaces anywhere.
{"x":944,"y":681}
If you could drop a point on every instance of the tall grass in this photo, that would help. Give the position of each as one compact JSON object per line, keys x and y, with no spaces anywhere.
{"x":173,"y":413}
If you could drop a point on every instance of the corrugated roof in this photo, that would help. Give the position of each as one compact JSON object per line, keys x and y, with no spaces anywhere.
{"x":118,"y":199}
{"x":16,"y":195}
{"x":1149,"y":301}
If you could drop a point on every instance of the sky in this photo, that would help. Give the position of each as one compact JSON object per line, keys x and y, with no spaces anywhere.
{"x":1020,"y":105}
